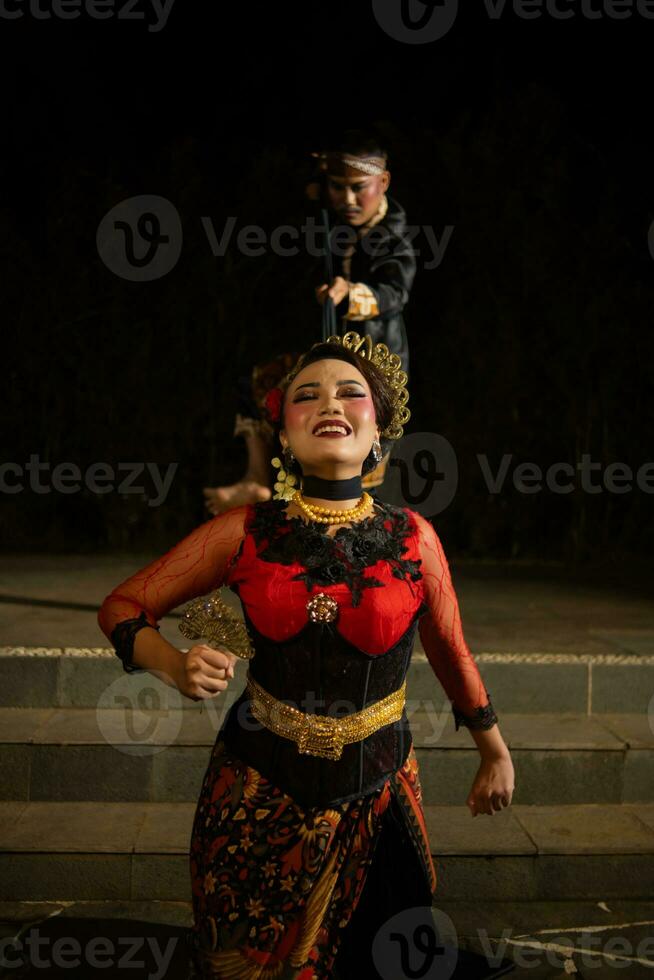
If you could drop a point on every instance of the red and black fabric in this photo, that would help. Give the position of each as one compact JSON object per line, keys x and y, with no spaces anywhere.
{"x":278,"y":887}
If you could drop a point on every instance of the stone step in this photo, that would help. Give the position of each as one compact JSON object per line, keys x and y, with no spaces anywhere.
{"x":54,"y":851}
{"x":556,"y":682}
{"x":134,"y":753}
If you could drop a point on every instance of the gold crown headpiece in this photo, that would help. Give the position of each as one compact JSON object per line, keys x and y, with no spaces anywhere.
{"x":389,"y":364}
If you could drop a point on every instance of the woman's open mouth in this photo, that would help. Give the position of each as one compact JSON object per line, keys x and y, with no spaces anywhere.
{"x":335,"y":431}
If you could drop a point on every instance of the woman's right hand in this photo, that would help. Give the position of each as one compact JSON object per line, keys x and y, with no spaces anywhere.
{"x":205,"y":672}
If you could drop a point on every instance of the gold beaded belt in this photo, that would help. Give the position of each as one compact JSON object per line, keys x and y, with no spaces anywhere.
{"x":323,"y":735}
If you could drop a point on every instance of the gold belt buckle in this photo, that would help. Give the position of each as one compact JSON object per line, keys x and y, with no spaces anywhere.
{"x":320,"y":737}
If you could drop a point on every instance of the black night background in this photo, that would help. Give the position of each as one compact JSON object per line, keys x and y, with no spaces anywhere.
{"x":531,"y":339}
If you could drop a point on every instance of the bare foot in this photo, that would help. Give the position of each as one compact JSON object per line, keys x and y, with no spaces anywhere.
{"x":219,"y":499}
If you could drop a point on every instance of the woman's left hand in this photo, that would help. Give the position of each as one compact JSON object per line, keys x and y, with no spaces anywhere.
{"x":493,"y":786}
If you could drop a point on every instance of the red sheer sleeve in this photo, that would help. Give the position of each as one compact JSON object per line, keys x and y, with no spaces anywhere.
{"x":193,"y":567}
{"x":442,"y":636}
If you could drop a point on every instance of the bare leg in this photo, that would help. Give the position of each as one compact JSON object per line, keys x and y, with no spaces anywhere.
{"x":254,"y":485}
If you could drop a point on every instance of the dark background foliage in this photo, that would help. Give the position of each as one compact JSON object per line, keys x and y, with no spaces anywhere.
{"x":532,"y":337}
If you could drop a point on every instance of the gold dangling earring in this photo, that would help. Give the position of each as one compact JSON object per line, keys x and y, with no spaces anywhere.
{"x":285,"y":483}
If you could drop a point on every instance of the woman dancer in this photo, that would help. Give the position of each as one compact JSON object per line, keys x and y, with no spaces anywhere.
{"x":309,"y":831}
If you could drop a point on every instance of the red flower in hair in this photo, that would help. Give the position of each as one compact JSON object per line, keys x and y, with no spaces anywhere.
{"x":273,"y":404}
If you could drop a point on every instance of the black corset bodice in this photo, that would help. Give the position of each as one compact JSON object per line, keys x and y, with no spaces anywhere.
{"x":319,"y":672}
{"x":371,"y":578}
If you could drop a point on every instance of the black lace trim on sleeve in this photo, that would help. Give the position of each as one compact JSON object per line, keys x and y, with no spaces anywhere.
{"x":122,"y":637}
{"x":483,"y":718}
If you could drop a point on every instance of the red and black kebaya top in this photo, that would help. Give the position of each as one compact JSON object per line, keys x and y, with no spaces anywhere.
{"x":388,"y":575}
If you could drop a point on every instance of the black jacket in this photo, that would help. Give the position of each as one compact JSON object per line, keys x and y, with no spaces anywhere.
{"x":383,"y":260}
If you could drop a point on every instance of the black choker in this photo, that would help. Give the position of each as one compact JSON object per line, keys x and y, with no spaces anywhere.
{"x":315,"y":486}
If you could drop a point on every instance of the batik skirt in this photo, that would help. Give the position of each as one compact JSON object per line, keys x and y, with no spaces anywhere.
{"x":282,"y":892}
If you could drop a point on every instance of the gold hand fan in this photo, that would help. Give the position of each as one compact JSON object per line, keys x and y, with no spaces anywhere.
{"x":209,"y":618}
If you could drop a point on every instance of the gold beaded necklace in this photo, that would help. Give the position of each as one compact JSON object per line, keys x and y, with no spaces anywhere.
{"x":323,"y":515}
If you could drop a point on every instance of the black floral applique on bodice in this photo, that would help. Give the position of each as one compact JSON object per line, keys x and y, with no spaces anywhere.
{"x":341,"y":557}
